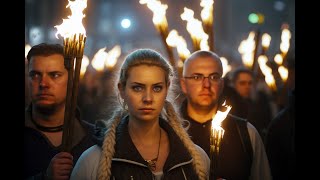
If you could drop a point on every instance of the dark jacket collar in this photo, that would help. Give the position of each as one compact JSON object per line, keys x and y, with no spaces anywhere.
{"x":82,"y":128}
{"x":184,"y":114}
{"x":125,"y":148}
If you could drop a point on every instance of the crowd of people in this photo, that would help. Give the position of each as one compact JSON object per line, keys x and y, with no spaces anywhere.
{"x":143,"y":132}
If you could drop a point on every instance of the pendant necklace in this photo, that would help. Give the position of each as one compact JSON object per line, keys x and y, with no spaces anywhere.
{"x":152,"y":163}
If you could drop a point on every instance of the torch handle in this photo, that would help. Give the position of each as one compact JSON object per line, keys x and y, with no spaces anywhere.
{"x":255,"y":53}
{"x":68,"y":113}
{"x":75,"y":90}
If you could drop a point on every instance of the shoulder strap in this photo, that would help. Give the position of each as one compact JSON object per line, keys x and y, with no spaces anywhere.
{"x":245,"y":138}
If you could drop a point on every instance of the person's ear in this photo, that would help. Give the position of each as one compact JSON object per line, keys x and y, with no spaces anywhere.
{"x":183,"y":85}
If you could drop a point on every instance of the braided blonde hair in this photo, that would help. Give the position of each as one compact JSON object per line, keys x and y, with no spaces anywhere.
{"x":176,"y":124}
{"x":152,"y":58}
{"x":108,"y":147}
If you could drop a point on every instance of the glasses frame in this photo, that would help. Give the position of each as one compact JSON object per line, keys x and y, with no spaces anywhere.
{"x":202,"y":78}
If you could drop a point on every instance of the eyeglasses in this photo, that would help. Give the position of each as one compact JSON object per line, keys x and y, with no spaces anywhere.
{"x":198,"y":78}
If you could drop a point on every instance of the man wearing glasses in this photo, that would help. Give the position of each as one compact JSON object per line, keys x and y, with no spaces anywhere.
{"x":242,"y":154}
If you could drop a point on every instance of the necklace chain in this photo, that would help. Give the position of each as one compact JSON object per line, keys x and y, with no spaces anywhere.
{"x":152,"y":163}
{"x":47,"y":129}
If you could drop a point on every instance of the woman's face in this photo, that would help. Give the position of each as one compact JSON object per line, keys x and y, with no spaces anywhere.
{"x":145,"y":92}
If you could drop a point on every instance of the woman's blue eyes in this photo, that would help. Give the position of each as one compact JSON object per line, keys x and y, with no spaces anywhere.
{"x":140,"y":88}
{"x":137,"y":88}
{"x":157,"y":88}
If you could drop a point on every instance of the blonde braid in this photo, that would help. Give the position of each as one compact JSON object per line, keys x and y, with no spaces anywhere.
{"x":175,"y":122}
{"x":108,"y":147}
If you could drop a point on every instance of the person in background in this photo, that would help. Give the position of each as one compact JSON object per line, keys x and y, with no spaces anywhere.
{"x":280,"y":139}
{"x":256,"y":105}
{"x":144,"y":139}
{"x":242,"y":154}
{"x":44,"y":117}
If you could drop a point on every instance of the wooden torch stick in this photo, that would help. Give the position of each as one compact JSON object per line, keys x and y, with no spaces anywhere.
{"x":164,"y":34}
{"x":255,"y":54}
{"x":72,"y":92}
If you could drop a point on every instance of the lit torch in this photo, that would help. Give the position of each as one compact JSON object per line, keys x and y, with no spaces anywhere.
{"x":84,"y":64}
{"x":160,"y":21}
{"x":265,"y":42}
{"x":195,"y":29}
{"x":74,"y":38}
{"x":174,"y":40}
{"x":207,"y":20}
{"x":217,"y":133}
{"x":285,"y":40}
{"x":246,"y":49}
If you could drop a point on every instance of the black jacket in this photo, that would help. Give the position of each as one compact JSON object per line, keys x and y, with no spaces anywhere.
{"x":234,"y":161}
{"x":38,"y":151}
{"x":127,"y":163}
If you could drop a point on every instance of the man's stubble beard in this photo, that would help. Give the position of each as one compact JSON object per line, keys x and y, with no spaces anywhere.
{"x":47,"y":109}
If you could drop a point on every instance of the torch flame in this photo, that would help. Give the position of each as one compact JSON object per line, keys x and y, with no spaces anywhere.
{"x":217,"y":131}
{"x":158,"y":9}
{"x":73,"y":25}
{"x":225,"y":65}
{"x":84,"y":64}
{"x":220,"y":116}
{"x":278,"y":59}
{"x":113,"y":56}
{"x":195,"y":29}
{"x":206,"y":13}
{"x":246,"y":49}
{"x":285,"y":39}
{"x":266,"y":38}
{"x":283,"y":71}
{"x":27,"y":48}
{"x":266,"y":71}
{"x":174,"y":40}
{"x":99,"y":59}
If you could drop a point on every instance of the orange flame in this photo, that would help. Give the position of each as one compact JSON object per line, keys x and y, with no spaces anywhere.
{"x":159,"y":12}
{"x":226,"y":66}
{"x":217,"y":131}
{"x":112,"y":56}
{"x":174,"y":40}
{"x":283,"y":71}
{"x":220,"y":116}
{"x":99,"y":59}
{"x":207,"y":11}
{"x":195,"y":29}
{"x":27,"y":48}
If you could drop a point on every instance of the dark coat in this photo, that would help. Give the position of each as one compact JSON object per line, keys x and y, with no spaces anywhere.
{"x":280,"y":143}
{"x":127,"y":163}
{"x":234,"y":162}
{"x":38,"y":151}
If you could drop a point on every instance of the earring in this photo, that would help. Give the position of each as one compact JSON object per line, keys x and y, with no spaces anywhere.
{"x":124,"y":105}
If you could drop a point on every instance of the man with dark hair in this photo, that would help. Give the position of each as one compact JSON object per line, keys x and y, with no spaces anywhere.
{"x":255,"y":103}
{"x":242,"y":155}
{"x":44,"y":117}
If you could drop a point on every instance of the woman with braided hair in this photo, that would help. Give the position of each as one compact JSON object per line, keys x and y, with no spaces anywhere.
{"x":144,"y":139}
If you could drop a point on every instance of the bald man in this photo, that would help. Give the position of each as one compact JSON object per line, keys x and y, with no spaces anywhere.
{"x":242,"y":154}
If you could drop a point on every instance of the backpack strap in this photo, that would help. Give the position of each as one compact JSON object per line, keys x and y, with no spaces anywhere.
{"x":244,"y":136}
